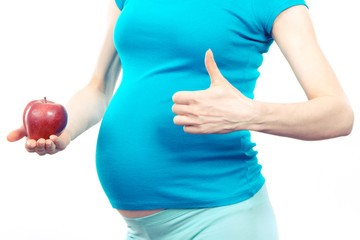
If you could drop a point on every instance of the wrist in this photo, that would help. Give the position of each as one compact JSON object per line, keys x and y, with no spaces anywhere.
{"x":258,"y":115}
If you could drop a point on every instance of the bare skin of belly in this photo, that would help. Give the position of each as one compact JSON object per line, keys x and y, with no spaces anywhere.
{"x":138,"y":213}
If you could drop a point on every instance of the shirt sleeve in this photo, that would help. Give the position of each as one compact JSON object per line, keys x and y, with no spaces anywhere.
{"x":120,"y":4}
{"x":266,"y":11}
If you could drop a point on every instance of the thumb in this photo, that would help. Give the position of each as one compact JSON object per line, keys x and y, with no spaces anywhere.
{"x":214,"y":72}
{"x":16,"y":134}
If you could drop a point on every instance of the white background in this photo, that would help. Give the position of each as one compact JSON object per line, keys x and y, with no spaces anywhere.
{"x":49,"y":48}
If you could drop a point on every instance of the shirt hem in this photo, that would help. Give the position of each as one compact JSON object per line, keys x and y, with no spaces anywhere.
{"x":177,"y":205}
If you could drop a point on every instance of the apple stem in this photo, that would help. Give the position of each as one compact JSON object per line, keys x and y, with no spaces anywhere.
{"x":45,"y":99}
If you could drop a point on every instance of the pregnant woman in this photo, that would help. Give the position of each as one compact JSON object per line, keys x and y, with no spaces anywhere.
{"x":174,"y":152}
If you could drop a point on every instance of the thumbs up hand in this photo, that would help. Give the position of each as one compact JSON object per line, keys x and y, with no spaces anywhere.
{"x":219,"y":109}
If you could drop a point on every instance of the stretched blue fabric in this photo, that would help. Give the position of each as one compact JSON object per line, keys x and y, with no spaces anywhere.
{"x":145,"y":161}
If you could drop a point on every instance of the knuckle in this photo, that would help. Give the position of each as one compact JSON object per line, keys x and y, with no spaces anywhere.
{"x":174,"y":108}
{"x":191,"y":129}
{"x":49,"y":146}
{"x":196,"y":122}
{"x":39,"y":149}
{"x":41,"y":153}
{"x":200,"y":97}
{"x":197,"y":111}
{"x":29,"y":148}
{"x":199,"y":121}
{"x":176,"y":120}
{"x":194,"y":99}
{"x":203,"y":130}
{"x":40,"y":146}
{"x":52,"y":152}
{"x":187,"y":129}
{"x":30,"y":144}
{"x":207,"y":131}
{"x":176,"y":97}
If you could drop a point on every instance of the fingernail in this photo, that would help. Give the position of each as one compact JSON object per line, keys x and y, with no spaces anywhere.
{"x":211,"y":54}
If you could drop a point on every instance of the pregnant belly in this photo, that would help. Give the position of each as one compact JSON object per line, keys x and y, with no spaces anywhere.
{"x":130,"y":145}
{"x":142,"y":156}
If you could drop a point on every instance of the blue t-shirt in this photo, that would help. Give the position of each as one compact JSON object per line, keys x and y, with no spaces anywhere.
{"x":145,"y":161}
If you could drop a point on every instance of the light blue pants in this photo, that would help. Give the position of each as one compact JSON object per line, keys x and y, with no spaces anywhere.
{"x":252,"y":219}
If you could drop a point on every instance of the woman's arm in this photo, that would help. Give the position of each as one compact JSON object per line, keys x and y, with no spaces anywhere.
{"x":88,"y":105}
{"x":327,"y":113}
{"x":224,"y":109}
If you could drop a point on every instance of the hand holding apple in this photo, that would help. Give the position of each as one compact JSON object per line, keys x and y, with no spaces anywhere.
{"x":47,"y":145}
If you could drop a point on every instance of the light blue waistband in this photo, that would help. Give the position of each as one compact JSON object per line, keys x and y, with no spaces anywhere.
{"x":182,"y":213}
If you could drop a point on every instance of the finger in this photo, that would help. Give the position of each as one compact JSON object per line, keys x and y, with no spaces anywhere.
{"x":212,"y":68}
{"x":193,"y":129}
{"x":182,"y":120}
{"x":182,"y":109}
{"x":30,"y":145}
{"x":41,"y":153}
{"x":185,"y":97}
{"x":59,"y":142}
{"x":199,"y":129}
{"x":50,"y":146}
{"x":40,"y":146}
{"x":16,"y":134}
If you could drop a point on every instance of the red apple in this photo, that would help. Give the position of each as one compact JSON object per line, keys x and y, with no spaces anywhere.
{"x":43,"y":118}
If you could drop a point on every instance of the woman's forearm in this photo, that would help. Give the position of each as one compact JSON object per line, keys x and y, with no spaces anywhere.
{"x":85,"y":109}
{"x":317,"y":119}
{"x":88,"y":105}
